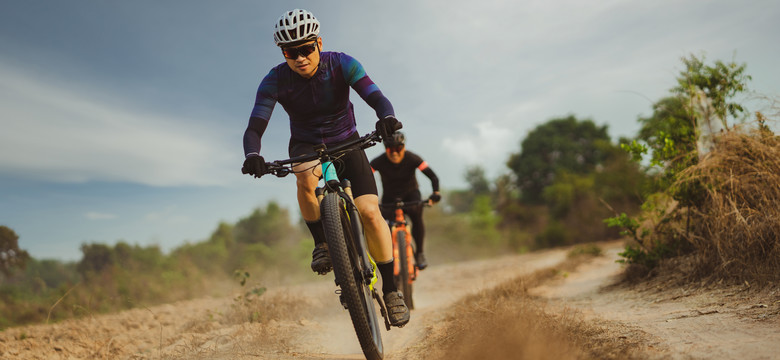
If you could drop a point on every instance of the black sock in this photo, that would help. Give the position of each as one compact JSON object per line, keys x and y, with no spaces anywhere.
{"x":386,"y":270}
{"x":317,"y":231}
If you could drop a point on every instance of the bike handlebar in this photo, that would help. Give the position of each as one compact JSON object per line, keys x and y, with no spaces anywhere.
{"x":282,"y":168}
{"x":406,"y":204}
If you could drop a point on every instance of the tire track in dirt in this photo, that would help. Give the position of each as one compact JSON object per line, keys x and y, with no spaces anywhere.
{"x":688,"y":323}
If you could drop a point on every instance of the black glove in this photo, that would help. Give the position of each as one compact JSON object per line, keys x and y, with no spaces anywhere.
{"x":435,"y":197}
{"x":387,"y":126}
{"x":254,"y":165}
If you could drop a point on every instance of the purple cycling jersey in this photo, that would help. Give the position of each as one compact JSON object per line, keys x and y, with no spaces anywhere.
{"x":319,"y":107}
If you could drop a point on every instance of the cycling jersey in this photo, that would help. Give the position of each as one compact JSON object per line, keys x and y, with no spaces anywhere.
{"x":399,"y":180}
{"x":319,"y":107}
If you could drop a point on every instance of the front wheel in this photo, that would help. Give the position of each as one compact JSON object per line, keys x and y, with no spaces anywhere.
{"x":349,"y":276}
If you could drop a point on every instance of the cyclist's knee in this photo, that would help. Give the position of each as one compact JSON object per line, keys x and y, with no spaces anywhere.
{"x":373,"y":214}
{"x":368,"y":205}
{"x":306,"y":183}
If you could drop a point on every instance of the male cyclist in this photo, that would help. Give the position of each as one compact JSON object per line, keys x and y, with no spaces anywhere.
{"x":313,"y":88}
{"x":397,"y":168}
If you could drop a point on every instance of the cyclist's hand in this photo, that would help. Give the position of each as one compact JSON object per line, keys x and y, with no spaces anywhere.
{"x":435,"y":197}
{"x":254,"y":165}
{"x":387,"y":126}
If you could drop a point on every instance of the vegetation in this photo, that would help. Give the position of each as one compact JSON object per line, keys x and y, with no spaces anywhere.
{"x":566,"y":178}
{"x":264,"y":247}
{"x":715,"y":183}
{"x":109,"y":278}
{"x":11,"y":256}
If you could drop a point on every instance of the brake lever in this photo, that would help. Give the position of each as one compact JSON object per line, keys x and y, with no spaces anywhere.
{"x":282,"y":172}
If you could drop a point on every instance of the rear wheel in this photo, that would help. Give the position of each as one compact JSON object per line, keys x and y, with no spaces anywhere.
{"x":404,"y":280}
{"x":346,"y":266}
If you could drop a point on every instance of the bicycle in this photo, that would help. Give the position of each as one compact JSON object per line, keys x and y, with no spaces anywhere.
{"x":405,"y":268}
{"x":353,"y":267}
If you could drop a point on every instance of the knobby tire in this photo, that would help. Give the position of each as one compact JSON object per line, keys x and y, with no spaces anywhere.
{"x":347,"y":271}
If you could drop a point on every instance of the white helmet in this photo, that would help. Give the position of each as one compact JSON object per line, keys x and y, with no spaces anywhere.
{"x":296,"y":26}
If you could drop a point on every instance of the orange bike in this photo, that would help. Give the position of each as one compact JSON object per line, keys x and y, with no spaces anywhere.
{"x":406,"y":270}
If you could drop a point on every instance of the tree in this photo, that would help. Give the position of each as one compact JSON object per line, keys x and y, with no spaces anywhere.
{"x":11,"y":256}
{"x":683,"y":126}
{"x":719,"y":84}
{"x":96,"y":258}
{"x":564,"y":144}
{"x":669,"y":134}
{"x":478,"y":183}
{"x":268,"y":227}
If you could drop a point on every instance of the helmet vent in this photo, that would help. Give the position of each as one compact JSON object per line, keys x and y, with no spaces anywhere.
{"x":296,"y":26}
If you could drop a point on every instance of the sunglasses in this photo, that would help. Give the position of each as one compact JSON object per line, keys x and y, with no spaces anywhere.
{"x":303,"y":50}
{"x":395,"y":148}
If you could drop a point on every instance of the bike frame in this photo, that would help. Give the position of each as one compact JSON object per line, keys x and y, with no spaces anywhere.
{"x":331,"y":180}
{"x":405,"y":270}
{"x":399,"y":225}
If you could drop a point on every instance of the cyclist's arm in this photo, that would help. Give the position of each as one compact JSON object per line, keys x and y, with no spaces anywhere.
{"x":431,"y":175}
{"x":265,"y":100}
{"x":253,"y":134}
{"x":358,"y":79}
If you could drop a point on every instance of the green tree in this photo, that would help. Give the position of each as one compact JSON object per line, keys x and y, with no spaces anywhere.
{"x":478,"y":183}
{"x":96,"y":257}
{"x":719,"y":84}
{"x":11,"y":256}
{"x":462,"y":201}
{"x":270,"y":226}
{"x":52,"y":273}
{"x":704,"y":96}
{"x":564,"y":144}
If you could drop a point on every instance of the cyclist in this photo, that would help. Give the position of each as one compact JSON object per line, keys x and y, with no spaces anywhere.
{"x":397,"y":168}
{"x":313,"y":88}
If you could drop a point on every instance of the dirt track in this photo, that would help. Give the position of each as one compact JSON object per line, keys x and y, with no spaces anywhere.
{"x":307,"y":322}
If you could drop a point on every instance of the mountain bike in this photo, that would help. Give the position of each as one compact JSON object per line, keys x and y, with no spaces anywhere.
{"x":354,"y":269}
{"x":405,"y":268}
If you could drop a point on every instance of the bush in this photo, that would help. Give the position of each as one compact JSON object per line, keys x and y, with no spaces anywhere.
{"x":735,"y":228}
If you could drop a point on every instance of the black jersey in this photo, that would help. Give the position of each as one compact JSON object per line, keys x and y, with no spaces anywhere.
{"x":399,"y":180}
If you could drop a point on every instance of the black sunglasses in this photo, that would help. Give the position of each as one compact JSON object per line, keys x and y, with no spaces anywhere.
{"x":303,"y":50}
{"x":395,"y":148}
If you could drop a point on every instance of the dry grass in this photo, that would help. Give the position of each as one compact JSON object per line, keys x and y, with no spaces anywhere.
{"x":264,"y":320}
{"x":736,"y":229}
{"x":507,"y":323}
{"x":262,"y":308}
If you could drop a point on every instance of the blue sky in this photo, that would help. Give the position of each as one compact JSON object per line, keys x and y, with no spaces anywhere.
{"x":124,"y":120}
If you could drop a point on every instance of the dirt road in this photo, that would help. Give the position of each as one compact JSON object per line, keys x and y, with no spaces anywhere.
{"x":680,"y":323}
{"x":307,"y":322}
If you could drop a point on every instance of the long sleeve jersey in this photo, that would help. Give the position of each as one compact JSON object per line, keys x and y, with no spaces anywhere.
{"x":319,"y":107}
{"x":399,"y":180}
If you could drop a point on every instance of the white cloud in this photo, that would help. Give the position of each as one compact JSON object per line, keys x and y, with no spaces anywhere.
{"x":167,"y":216}
{"x":94,"y":215}
{"x":58,"y":134}
{"x":487,"y":147}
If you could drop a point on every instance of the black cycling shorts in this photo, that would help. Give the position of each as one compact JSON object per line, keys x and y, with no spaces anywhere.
{"x":353,"y":166}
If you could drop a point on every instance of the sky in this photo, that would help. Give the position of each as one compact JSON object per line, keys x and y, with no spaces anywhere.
{"x":123,"y":121}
